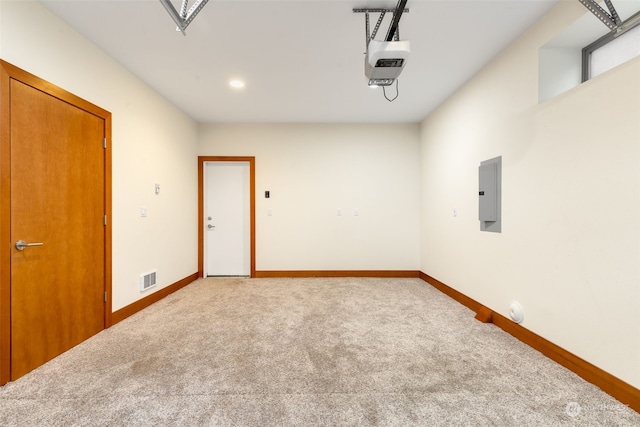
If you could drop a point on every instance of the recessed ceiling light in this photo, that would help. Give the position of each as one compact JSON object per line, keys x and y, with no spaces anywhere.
{"x":236,"y":84}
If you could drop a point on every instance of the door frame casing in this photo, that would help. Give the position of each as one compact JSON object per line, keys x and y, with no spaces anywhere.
{"x":10,"y":72}
{"x":252,"y":211}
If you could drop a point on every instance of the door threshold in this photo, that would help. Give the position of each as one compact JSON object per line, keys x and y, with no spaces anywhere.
{"x":230,"y":275}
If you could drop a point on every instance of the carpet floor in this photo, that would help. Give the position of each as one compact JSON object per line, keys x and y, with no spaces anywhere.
{"x":306,"y":352}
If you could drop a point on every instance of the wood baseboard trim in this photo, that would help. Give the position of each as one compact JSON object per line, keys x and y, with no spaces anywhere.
{"x":145,"y":302}
{"x":484,"y":315}
{"x":470,"y":303}
{"x":622,"y":391}
{"x":338,"y":273}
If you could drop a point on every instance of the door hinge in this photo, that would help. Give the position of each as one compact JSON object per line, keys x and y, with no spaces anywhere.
{"x":104,"y":142}
{"x":104,"y":220}
{"x":105,"y":296}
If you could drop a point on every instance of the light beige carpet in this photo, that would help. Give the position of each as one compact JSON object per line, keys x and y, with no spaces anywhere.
{"x":306,"y":352}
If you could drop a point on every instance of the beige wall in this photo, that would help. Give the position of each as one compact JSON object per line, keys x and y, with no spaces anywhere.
{"x":569,"y":249}
{"x":152,"y":142}
{"x":570,"y":240}
{"x":311,"y":170}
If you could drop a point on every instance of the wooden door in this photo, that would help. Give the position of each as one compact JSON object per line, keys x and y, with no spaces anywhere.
{"x":58,"y":197}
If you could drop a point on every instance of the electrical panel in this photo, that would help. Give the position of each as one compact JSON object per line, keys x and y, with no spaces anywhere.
{"x":488,"y":192}
{"x":489,"y":195}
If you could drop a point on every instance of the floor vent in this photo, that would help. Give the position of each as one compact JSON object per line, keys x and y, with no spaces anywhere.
{"x":147,"y":280}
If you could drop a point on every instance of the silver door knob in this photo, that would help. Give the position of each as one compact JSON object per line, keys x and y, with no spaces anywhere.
{"x":21,"y":244}
{"x":209,"y":226}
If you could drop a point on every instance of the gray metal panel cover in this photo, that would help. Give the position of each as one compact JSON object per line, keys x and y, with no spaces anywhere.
{"x":488,"y":192}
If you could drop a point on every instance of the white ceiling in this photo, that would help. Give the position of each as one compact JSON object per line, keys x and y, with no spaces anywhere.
{"x":302,"y":61}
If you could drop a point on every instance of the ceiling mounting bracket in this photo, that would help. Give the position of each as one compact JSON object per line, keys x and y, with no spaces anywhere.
{"x":394,"y":28}
{"x":610,"y":18}
{"x":184,"y":17}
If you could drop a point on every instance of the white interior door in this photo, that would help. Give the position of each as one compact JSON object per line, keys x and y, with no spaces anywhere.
{"x":227,"y":219}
